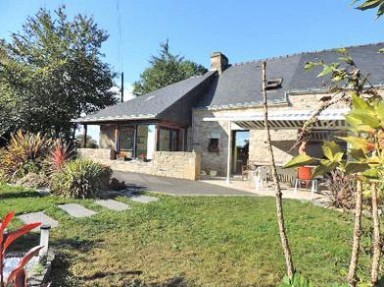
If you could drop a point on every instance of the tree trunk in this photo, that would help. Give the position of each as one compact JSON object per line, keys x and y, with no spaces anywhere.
{"x":352,"y":274}
{"x":376,"y":238}
{"x":279,"y":202}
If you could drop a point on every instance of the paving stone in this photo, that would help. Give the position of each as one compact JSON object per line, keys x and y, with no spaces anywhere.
{"x":38,"y":217}
{"x":113,"y":204}
{"x":77,"y":210}
{"x":142,"y":198}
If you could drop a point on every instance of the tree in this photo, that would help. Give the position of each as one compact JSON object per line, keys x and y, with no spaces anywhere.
{"x":52,"y":72}
{"x":364,"y":160}
{"x":371,"y":4}
{"x":278,"y":195}
{"x":165,"y":69}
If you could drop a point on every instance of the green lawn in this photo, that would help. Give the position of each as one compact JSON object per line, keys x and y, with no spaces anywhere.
{"x":190,"y":241}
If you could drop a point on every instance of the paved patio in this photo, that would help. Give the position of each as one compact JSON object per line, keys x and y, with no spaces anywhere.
{"x":249,"y":186}
{"x":208,"y":186}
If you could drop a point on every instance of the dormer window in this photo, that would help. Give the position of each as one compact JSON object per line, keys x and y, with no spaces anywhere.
{"x":273,"y":84}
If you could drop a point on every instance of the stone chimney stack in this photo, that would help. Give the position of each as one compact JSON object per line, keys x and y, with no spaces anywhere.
{"x":219,"y":62}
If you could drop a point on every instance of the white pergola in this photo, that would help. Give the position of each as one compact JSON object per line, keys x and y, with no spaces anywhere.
{"x":327,"y":120}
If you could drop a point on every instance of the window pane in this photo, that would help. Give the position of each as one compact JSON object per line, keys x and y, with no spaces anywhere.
{"x":164,"y":140}
{"x":142,"y":137}
{"x":126,"y":138}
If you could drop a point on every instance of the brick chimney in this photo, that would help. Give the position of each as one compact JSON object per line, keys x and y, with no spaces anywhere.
{"x":219,"y":62}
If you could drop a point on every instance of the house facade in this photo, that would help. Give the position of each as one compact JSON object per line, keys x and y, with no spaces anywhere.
{"x":219,"y":116}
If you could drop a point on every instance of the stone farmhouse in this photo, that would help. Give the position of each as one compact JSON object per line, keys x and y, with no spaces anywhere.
{"x":215,"y":122}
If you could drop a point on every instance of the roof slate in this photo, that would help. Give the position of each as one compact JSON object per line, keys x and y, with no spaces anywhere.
{"x":148,"y":106}
{"x":240,"y":85}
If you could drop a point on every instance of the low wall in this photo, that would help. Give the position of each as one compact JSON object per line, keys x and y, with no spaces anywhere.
{"x":177,"y":164}
{"x":96,"y":153}
{"x":184,"y":165}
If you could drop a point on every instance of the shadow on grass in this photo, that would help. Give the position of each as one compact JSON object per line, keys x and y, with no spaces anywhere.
{"x":60,"y":275}
{"x":78,"y":244}
{"x":26,"y":242}
{"x":19,"y":194}
{"x":129,"y":190}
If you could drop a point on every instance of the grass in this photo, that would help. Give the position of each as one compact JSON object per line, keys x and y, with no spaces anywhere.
{"x":191,"y":241}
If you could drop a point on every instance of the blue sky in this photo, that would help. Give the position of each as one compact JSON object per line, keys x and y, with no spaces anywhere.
{"x":243,"y":30}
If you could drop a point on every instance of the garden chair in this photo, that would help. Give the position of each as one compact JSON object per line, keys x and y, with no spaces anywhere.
{"x":247,"y":169}
{"x":261,"y":177}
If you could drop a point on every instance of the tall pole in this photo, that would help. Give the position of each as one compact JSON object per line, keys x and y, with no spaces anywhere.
{"x":278,"y":194}
{"x":122,"y":87}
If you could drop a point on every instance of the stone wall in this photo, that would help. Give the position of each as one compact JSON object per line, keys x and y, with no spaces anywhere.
{"x":177,"y":164}
{"x":96,"y":153}
{"x":203,"y":131}
{"x":184,"y":165}
{"x":282,"y":140}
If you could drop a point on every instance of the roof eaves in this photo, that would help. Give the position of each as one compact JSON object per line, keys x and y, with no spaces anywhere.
{"x":115,"y":118}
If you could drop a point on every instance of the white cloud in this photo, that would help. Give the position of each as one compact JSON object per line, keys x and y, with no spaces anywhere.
{"x":128,"y":95}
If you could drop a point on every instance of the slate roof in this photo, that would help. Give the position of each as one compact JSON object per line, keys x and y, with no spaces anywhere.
{"x":154,"y":105}
{"x":240,"y":85}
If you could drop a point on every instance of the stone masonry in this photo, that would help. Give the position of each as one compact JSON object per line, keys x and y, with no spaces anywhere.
{"x":184,"y":165}
{"x":282,"y":140}
{"x":96,"y":153}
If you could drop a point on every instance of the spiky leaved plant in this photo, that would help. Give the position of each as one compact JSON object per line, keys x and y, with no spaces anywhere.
{"x":60,"y":153}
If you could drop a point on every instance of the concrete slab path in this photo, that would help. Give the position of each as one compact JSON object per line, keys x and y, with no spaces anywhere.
{"x":142,"y":198}
{"x":38,"y":217}
{"x":113,"y":204}
{"x":77,"y":210}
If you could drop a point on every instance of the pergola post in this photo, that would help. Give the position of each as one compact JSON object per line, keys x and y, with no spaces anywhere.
{"x":85,"y":135}
{"x":229,"y":155}
{"x":116,"y":136}
{"x":134,"y":148}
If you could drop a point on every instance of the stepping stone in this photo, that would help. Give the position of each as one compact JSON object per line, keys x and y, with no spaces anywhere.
{"x":142,"y":198}
{"x":38,"y":217}
{"x":77,"y":210}
{"x":113,"y":204}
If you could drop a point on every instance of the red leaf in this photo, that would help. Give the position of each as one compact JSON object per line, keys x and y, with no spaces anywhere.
{"x":7,"y":219}
{"x":17,"y":233}
{"x":20,"y":279}
{"x":24,"y":261}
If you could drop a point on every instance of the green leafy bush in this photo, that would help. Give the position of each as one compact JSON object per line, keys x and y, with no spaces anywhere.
{"x":297,"y":281}
{"x":81,"y":179}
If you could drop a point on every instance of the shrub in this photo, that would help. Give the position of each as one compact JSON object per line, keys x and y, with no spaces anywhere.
{"x":25,"y":153}
{"x":342,"y":190}
{"x":81,"y":179}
